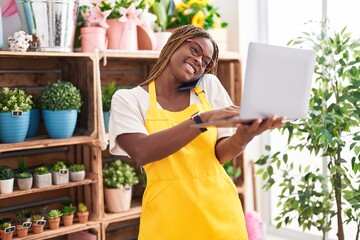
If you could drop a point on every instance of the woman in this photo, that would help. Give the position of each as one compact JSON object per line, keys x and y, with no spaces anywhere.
{"x":188,"y":193}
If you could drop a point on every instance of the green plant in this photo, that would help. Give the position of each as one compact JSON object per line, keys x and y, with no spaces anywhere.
{"x":24,"y":215}
{"x":198,"y":13}
{"x":82,"y":207}
{"x":22,"y":165}
{"x":163,"y":10}
{"x":54,"y":213}
{"x":59,"y":165}
{"x":77,"y":167}
{"x":231,"y":170}
{"x":14,"y":100}
{"x":41,"y":170}
{"x":330,"y":131}
{"x":117,"y":174}
{"x":6,"y":173}
{"x":36,"y":217}
{"x":5,"y":225}
{"x":23,"y":175}
{"x":60,"y":95}
{"x":107,"y":93}
{"x":68,"y":210}
{"x":5,"y":222}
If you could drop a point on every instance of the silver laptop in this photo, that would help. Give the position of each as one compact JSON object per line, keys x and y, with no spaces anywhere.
{"x":277,"y":81}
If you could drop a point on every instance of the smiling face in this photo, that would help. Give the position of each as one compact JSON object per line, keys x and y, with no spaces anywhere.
{"x":191,"y":59}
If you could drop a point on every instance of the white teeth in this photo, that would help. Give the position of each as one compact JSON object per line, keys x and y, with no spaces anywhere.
{"x":192,"y":69}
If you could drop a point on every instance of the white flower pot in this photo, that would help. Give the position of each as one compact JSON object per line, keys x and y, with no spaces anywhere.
{"x":58,"y":178}
{"x":25,"y":183}
{"x":43,"y":180}
{"x":77,"y":176}
{"x":118,"y":199}
{"x":7,"y":186}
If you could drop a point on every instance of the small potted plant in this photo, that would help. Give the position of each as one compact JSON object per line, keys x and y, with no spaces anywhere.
{"x":118,"y":179}
{"x":77,"y":172}
{"x":24,"y":179}
{"x":15,"y":108}
{"x":60,"y":102}
{"x":7,"y":230}
{"x":42,"y":177}
{"x":68,"y":215}
{"x":38,"y":223}
{"x":60,"y":173}
{"x":82,"y":213}
{"x":6,"y":180}
{"x":23,"y":222}
{"x":107,"y":93}
{"x":54,"y":219}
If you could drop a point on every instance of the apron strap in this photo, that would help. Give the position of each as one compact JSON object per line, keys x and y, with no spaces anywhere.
{"x":152,"y":95}
{"x":201,"y":94}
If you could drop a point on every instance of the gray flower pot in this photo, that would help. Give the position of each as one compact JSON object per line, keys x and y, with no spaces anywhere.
{"x":25,"y":183}
{"x":58,"y":178}
{"x":43,"y":180}
{"x":77,"y":176}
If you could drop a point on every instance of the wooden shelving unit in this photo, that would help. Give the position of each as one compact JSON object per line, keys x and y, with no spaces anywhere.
{"x":32,"y":71}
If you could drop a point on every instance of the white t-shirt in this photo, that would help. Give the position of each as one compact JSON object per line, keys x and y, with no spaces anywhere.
{"x":129,"y":108}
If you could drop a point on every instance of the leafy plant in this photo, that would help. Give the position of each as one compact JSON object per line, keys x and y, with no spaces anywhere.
{"x":55,"y":213}
{"x":36,"y":218}
{"x":117,"y":174}
{"x":59,"y":165}
{"x":5,"y":222}
{"x":107,"y":93}
{"x":23,"y":175}
{"x":68,"y":210}
{"x":163,"y":10}
{"x":82,"y":207}
{"x":6,"y":173}
{"x":21,"y":165}
{"x":24,"y":215}
{"x":231,"y":171}
{"x":14,"y":100}
{"x":41,"y":170}
{"x":60,"y":95}
{"x":5,"y":225}
{"x":77,"y":167}
{"x":198,"y":13}
{"x":330,"y":130}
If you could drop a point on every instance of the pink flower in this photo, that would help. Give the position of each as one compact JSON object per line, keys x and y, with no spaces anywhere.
{"x":130,"y":14}
{"x":96,"y":18}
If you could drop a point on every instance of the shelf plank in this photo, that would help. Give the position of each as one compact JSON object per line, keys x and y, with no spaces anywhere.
{"x":133,"y":213}
{"x":76,"y":227}
{"x":18,"y":193}
{"x":38,"y":142}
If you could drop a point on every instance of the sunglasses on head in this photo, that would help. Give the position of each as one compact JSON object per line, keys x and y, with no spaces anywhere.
{"x":197,"y":51}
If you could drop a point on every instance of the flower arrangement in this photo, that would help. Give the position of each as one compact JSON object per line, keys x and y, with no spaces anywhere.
{"x":14,"y":100}
{"x":199,"y":13}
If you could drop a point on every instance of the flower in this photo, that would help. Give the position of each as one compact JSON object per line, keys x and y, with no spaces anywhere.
{"x":199,"y":13}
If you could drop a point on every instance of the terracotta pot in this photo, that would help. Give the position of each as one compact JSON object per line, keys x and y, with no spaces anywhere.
{"x":7,"y":236}
{"x":93,"y":38}
{"x":121,"y":35}
{"x":118,"y":199}
{"x":83,"y":217}
{"x":38,"y":228}
{"x":21,"y":232}
{"x":68,"y":220}
{"x":54,"y":223}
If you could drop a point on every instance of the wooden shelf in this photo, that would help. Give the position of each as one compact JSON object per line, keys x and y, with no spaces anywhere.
{"x":133,"y":213}
{"x":17,"y":193}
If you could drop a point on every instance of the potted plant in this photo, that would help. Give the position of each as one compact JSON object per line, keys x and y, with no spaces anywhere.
{"x":38,"y":223}
{"x":118,"y":179}
{"x":42,"y":177}
{"x":6,"y":180}
{"x":60,"y":173}
{"x":23,"y":177}
{"x":23,"y":222}
{"x":77,"y":172}
{"x":315,"y":194}
{"x":82,"y":213}
{"x":7,"y":230}
{"x":107,"y":92}
{"x":60,"y":102}
{"x":54,"y":219}
{"x":68,"y":215}
{"x":92,"y":26}
{"x":15,"y":108}
{"x":35,"y":115}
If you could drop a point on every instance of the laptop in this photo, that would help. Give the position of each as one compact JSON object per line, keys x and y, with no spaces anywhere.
{"x":277,"y":81}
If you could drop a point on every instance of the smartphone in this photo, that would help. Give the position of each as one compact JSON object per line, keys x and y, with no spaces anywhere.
{"x":190,"y":85}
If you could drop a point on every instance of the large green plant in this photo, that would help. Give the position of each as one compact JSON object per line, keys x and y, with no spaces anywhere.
{"x":315,"y":196}
{"x":107,"y":92}
{"x":118,"y":174}
{"x":60,"y":95}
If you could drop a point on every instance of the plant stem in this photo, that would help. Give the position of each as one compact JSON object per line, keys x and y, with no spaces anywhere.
{"x":357,"y":232}
{"x":337,"y":183}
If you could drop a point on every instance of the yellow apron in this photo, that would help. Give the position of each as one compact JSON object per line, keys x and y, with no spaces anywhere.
{"x":188,"y":195}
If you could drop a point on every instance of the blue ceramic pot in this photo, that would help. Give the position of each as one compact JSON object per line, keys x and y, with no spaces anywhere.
{"x":106,"y":121}
{"x":34,"y":123}
{"x":13,"y":128}
{"x":60,"y":124}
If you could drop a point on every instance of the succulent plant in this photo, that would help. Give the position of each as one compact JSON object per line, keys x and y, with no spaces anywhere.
{"x":42,"y":170}
{"x":82,"y":207}
{"x":55,"y":213}
{"x":6,"y":173}
{"x":68,"y":210}
{"x":23,"y":175}
{"x":77,"y":167}
{"x":59,"y":165}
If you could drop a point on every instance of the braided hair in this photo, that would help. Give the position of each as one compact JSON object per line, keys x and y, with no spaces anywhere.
{"x":180,"y":35}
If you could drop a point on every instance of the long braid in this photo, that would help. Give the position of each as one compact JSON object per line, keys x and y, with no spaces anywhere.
{"x":176,"y":39}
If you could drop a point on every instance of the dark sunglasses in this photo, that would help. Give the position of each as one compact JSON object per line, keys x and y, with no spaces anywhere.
{"x":197,"y":51}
